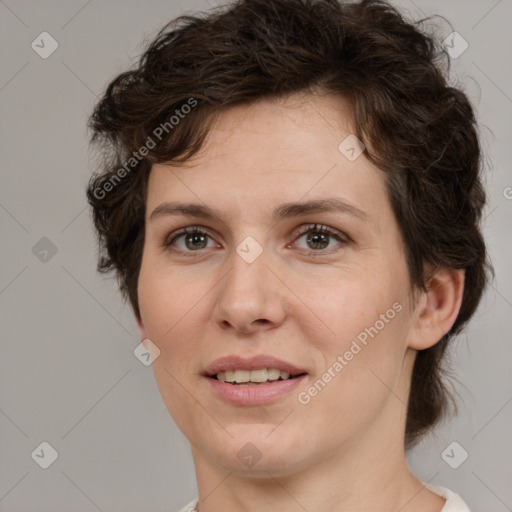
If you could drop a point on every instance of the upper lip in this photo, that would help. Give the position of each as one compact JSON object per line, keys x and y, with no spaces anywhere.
{"x":234,"y":362}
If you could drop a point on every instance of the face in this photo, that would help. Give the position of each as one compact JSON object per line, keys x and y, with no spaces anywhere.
{"x":318,"y":287}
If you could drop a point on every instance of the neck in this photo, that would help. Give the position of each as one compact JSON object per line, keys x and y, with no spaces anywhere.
{"x":369,"y":472}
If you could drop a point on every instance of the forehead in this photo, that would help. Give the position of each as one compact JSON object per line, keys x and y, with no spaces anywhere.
{"x":262,"y":155}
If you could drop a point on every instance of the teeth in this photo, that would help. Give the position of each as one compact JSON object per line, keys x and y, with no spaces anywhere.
{"x":273,"y":374}
{"x":259,"y":376}
{"x":241,"y":376}
{"x":254,"y":376}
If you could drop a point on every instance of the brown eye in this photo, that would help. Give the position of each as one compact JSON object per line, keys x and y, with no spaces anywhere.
{"x":189,"y":240}
{"x":195,"y":241}
{"x":317,"y":240}
{"x":320,"y":238}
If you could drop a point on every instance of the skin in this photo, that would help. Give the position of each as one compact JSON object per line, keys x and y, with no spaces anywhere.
{"x":344,"y":450}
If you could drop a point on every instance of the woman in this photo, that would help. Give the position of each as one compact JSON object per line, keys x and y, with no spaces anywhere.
{"x":291,"y":198}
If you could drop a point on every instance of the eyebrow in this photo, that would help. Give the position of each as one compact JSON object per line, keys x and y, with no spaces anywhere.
{"x":283,"y":211}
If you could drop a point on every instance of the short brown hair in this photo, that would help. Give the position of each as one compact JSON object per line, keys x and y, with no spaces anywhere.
{"x":416,"y":127}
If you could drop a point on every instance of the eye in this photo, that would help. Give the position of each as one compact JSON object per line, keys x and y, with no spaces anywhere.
{"x":318,"y":238}
{"x":190,"y":239}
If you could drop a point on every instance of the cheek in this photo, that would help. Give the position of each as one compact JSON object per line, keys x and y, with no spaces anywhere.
{"x":174,"y":310}
{"x":170,"y":319}
{"x":365,"y":345}
{"x":165,"y":300}
{"x":348,"y":304}
{"x":360,"y":368}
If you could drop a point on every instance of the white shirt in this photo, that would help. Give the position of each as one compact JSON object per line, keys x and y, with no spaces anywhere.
{"x":454,"y":503}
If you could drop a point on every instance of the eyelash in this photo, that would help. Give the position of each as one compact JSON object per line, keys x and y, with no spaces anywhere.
{"x":316,"y":228}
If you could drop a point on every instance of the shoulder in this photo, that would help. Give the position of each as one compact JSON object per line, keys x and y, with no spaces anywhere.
{"x":454,"y":503}
{"x":191,"y":507}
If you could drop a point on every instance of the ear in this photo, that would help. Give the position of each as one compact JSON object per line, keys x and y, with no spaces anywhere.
{"x":438,"y":307}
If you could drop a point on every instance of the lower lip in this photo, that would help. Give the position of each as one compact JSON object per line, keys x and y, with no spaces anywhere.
{"x":258,"y":394}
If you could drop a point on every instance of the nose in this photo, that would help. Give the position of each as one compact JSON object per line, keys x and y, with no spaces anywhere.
{"x":250,"y":298}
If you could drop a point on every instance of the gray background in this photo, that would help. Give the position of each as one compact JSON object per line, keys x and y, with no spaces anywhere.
{"x":68,"y":375}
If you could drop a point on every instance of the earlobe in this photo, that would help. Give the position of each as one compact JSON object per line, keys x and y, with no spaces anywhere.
{"x":438,"y":308}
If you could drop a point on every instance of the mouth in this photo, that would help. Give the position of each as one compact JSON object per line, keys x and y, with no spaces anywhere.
{"x":259,"y":380}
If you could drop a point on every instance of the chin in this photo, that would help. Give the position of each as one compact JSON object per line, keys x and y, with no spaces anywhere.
{"x":278,"y":465}
{"x":261,"y":455}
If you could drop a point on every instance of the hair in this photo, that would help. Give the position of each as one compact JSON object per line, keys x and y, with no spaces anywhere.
{"x":420,"y":131}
